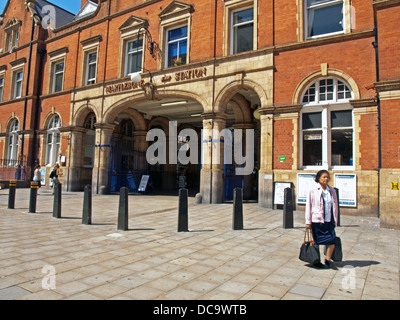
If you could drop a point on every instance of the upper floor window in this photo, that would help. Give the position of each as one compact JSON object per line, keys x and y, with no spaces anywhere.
{"x":323,"y":17}
{"x":242,"y":30}
{"x":91,"y":67}
{"x":18,"y":80}
{"x":177,"y":45}
{"x":12,"y":30}
{"x":58,"y":76}
{"x":1,"y":88}
{"x":133,"y":56}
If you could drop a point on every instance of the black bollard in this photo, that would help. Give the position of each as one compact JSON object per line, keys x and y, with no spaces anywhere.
{"x":288,"y":209}
{"x":237,"y":209}
{"x":11,"y":194}
{"x":57,"y":201}
{"x":33,"y":197}
{"x":183,"y":220}
{"x":87,"y":205}
{"x":123,"y":209}
{"x":338,"y":199}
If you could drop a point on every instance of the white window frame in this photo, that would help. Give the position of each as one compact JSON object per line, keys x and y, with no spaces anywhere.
{"x":18,"y":84}
{"x":326,"y":107}
{"x":328,"y":3}
{"x":53,"y":147}
{"x":128,"y":54}
{"x":57,"y":73}
{"x":89,"y":81}
{"x":12,"y":148}
{"x":90,"y":137}
{"x":232,"y":26}
{"x":1,"y":88}
{"x":167,"y":42}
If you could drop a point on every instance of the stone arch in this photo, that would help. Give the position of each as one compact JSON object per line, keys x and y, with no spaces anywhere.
{"x":318,"y":74}
{"x":81,"y":114}
{"x":161,"y":121}
{"x":10,"y":121}
{"x":241,"y":109}
{"x":234,"y":87}
{"x":48,"y":117}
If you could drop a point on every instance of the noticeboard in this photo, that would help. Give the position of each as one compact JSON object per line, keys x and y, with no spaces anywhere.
{"x":305,"y":181}
{"x":143,"y":183}
{"x":347,"y":185}
{"x":279,"y":191}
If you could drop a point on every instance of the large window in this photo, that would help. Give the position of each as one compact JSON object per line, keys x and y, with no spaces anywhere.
{"x":88,"y":157}
{"x":323,"y":17}
{"x":177,"y":45}
{"x":242,"y":30}
{"x":91,"y":67}
{"x":13,"y":142}
{"x":327,"y":130}
{"x":53,"y":140}
{"x":133,"y":56}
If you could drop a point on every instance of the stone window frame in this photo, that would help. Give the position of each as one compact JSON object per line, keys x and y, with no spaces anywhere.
{"x":89,"y":46}
{"x":129,"y":32}
{"x":177,"y":14}
{"x":18,"y":66}
{"x":233,"y":6}
{"x":348,"y":21}
{"x":12,"y":34}
{"x":56,"y":57}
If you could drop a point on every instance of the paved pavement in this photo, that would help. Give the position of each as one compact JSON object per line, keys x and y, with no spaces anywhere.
{"x":42,"y":257}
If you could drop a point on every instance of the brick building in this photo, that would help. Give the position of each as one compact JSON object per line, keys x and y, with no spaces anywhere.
{"x":317,"y":81}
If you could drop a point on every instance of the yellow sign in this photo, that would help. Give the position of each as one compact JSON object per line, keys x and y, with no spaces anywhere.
{"x":395,"y":186}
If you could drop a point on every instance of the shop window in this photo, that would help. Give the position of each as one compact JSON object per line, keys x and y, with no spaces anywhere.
{"x":12,"y":153}
{"x":242,"y":30}
{"x":53,"y":140}
{"x":324,"y":17}
{"x":327,"y":130}
{"x":177,"y":46}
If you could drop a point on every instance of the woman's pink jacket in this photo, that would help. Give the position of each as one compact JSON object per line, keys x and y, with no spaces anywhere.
{"x":315,"y":205}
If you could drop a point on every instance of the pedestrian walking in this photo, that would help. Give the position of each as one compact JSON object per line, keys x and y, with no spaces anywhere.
{"x":322,"y":215}
{"x":54,"y":176}
{"x":37,"y":175}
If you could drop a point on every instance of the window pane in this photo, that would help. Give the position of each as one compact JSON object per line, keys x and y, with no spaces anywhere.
{"x":309,"y":96}
{"x":58,"y":82}
{"x":243,"y":16}
{"x":312,"y":120}
{"x":59,"y":67}
{"x":340,"y":119}
{"x":178,"y":33}
{"x":243,"y":38}
{"x":1,"y":89}
{"x":312,"y":148}
{"x":342,"y":147}
{"x":325,"y":20}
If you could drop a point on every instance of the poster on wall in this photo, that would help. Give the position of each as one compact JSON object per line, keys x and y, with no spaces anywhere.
{"x":42,"y":176}
{"x":347,"y":185}
{"x":305,"y":181}
{"x":279,"y":191}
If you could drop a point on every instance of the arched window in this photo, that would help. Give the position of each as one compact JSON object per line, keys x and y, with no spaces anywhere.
{"x":13,"y":142}
{"x":88,"y":157}
{"x":327,"y":126}
{"x":53,"y":140}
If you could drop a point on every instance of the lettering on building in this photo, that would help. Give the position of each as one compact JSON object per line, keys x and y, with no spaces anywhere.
{"x":123,"y":86}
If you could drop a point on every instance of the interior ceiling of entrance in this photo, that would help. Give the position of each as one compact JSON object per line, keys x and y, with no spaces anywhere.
{"x":184,"y":110}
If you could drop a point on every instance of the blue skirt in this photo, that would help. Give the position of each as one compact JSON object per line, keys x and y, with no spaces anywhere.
{"x":324,"y":233}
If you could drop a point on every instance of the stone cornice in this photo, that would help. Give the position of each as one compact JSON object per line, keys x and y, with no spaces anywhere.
{"x":362,"y":103}
{"x":387,"y":85}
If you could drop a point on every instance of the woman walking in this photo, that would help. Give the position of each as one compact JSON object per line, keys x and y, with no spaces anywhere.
{"x":54,"y":176}
{"x":322,"y":215}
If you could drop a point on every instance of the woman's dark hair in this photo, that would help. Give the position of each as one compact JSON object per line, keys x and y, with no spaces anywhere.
{"x":319,"y":174}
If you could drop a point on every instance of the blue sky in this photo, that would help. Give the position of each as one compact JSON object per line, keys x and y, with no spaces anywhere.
{"x":70,"y":5}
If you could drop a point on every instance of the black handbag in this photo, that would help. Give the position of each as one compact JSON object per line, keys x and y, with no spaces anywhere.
{"x":309,"y":251}
{"x":337,"y":254}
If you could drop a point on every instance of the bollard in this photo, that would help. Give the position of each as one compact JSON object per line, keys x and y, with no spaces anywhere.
{"x":237,"y":209}
{"x":87,"y":205}
{"x":11,"y":194}
{"x":123,"y":209}
{"x":288,"y":209}
{"x":57,"y":201}
{"x":338,"y":199}
{"x":33,"y":197}
{"x":183,"y":220}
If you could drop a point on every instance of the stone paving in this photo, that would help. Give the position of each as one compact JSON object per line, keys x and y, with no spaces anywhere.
{"x":42,"y":257}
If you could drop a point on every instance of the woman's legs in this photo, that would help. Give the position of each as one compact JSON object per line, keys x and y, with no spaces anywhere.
{"x":329,"y":251}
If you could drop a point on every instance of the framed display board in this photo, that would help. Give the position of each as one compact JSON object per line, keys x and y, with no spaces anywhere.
{"x":279,"y":191}
{"x":347,"y":185}
{"x":305,"y":181}
{"x":143,"y":183}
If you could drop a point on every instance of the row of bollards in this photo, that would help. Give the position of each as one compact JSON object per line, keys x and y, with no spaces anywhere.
{"x":183,"y":219}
